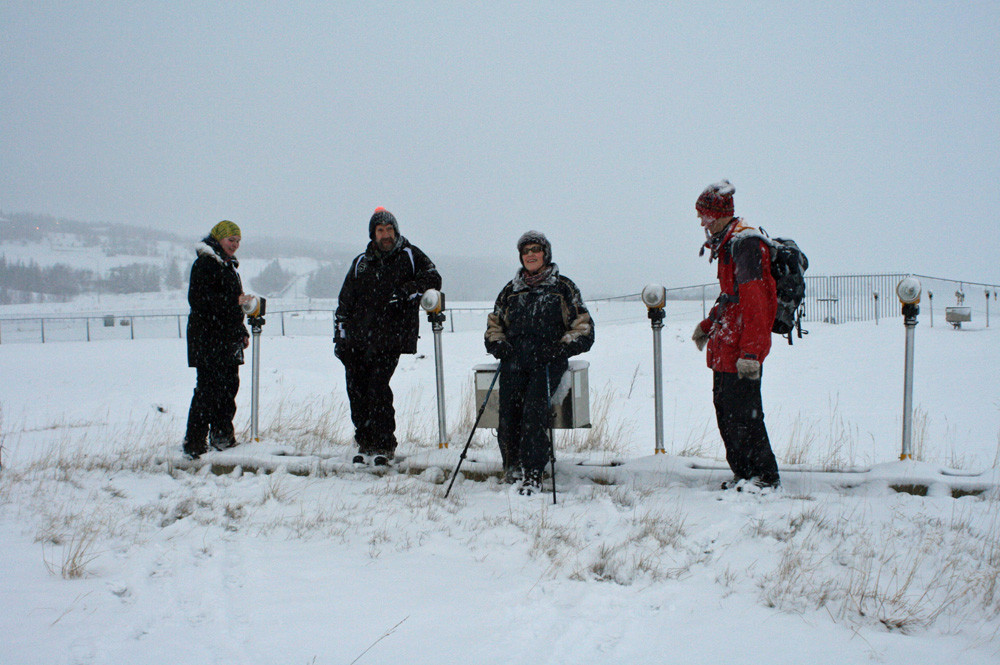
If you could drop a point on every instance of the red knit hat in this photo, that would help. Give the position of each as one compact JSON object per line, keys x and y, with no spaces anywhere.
{"x":717,"y":200}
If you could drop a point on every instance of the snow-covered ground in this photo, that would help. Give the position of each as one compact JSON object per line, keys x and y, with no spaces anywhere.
{"x":114,"y":554}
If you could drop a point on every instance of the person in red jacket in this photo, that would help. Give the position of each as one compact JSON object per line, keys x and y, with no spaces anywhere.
{"x":738,"y":334}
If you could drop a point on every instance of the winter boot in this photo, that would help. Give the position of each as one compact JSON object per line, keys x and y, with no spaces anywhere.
{"x":222,"y":444}
{"x":359,"y":459}
{"x":512,"y":474}
{"x":380,"y":460}
{"x":732,"y":483}
{"x":193,"y":452}
{"x":757,"y":486}
{"x":532,"y":482}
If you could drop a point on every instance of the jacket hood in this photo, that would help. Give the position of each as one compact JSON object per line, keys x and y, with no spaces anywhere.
{"x":209,"y":246}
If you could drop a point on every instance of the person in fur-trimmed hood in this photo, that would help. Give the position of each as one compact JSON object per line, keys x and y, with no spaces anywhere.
{"x":738,"y":335}
{"x":538,"y":322}
{"x":216,"y":338}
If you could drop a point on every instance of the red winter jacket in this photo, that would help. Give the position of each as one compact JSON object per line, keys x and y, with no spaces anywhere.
{"x":739,"y":325}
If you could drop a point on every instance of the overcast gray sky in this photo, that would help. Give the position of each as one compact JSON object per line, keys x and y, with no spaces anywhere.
{"x":868,"y":131}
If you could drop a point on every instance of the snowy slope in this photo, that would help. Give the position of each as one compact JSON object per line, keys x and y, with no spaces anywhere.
{"x":651,"y":562}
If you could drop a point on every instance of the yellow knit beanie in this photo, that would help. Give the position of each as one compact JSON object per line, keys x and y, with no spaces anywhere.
{"x":224,"y":229}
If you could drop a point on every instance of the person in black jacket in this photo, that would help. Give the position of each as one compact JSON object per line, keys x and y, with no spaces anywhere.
{"x":216,"y":337}
{"x":377,"y":320}
{"x":538,"y":322}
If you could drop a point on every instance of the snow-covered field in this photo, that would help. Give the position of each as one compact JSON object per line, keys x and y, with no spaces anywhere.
{"x":115,"y":555}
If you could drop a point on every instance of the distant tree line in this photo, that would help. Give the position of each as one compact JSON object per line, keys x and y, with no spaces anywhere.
{"x":325,"y":281}
{"x":23,"y":282}
{"x":29,"y":282}
{"x":272,"y":280}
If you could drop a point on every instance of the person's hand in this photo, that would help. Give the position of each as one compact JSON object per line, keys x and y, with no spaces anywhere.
{"x":748,"y":368}
{"x":340,"y":350}
{"x":700,"y":337}
{"x":243,"y":299}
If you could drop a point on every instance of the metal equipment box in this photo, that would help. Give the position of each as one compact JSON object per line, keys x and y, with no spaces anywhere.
{"x":573,"y":412}
{"x":956,"y":316}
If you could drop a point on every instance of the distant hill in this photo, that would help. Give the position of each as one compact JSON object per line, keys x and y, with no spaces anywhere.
{"x":44,"y":258}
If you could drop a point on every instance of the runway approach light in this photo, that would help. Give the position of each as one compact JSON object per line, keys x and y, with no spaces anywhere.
{"x":654,"y":296}
{"x":255,"y":306}
{"x":908,"y":290}
{"x":432,"y":301}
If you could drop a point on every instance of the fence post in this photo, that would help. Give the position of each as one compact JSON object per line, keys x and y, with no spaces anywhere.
{"x":43,"y":330}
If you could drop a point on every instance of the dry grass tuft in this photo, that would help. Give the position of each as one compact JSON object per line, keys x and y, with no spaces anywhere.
{"x":311,"y":426}
{"x":604,"y":434}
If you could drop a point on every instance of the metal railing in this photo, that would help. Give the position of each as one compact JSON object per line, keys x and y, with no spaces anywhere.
{"x":829,"y":299}
{"x":847,"y":298}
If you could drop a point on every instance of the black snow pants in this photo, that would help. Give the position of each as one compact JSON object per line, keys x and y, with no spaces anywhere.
{"x":525,"y":414}
{"x":372,"y":411}
{"x":740,"y":414}
{"x":213,"y":406}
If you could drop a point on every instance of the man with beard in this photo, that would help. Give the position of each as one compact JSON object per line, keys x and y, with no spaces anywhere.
{"x":377,"y":320}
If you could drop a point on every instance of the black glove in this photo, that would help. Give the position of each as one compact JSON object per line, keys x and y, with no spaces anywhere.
{"x":404,"y":293}
{"x":501,"y":350}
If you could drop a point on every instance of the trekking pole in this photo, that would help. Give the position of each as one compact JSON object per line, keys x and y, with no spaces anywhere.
{"x":479,"y":415}
{"x":552,"y":433}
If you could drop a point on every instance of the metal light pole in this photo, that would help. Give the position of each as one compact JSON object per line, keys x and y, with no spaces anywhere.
{"x":254,"y":309}
{"x":433,"y":303}
{"x":654,"y":297}
{"x":908,"y":291}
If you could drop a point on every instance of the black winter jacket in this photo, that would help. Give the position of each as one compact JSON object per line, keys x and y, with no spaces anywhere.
{"x":215,"y":330}
{"x":378,"y":309}
{"x":541,"y":323}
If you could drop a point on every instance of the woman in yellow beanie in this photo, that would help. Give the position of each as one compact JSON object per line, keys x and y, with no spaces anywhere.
{"x":216,"y":337}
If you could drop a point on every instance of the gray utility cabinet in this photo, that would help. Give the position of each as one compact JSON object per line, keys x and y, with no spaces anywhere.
{"x":571,"y":413}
